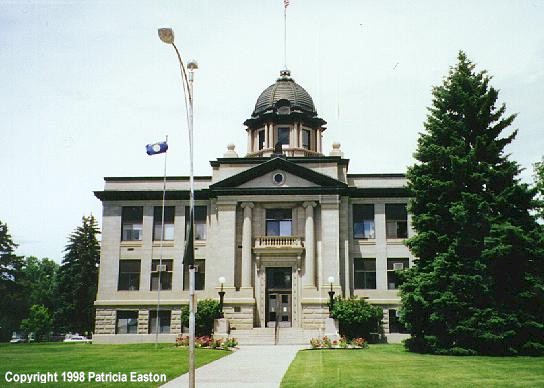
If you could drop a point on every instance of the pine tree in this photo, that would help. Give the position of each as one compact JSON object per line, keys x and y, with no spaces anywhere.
{"x":78,"y":279}
{"x":477,"y":284}
{"x":11,"y":311}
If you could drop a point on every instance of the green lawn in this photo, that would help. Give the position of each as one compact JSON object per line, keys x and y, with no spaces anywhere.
{"x":59,"y":357}
{"x":391,"y":366}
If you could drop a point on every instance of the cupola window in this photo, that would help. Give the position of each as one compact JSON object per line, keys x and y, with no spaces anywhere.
{"x":306,"y":139}
{"x":283,"y":135}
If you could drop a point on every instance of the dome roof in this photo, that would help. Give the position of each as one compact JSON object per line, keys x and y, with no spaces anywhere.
{"x":285,"y":89}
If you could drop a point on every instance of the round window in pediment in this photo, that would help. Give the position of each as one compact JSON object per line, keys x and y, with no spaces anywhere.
{"x":278,"y":178}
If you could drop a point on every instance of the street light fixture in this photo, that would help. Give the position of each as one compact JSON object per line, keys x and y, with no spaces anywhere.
{"x":167,"y":36}
{"x":331,"y":295}
{"x":221,"y":293}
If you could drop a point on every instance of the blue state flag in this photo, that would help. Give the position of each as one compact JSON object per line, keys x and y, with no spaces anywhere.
{"x":156,"y":148}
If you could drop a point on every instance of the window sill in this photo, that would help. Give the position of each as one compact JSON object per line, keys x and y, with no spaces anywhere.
{"x":396,"y":241}
{"x":365,"y":241}
{"x":137,"y":243}
{"x":200,"y":243}
{"x":165,"y":243}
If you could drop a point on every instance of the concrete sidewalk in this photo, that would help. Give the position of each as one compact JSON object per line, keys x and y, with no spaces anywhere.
{"x":250,"y":366}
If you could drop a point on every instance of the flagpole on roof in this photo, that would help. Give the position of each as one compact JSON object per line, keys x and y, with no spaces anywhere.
{"x":285,"y":4}
{"x":167,"y":36}
{"x":159,"y":285}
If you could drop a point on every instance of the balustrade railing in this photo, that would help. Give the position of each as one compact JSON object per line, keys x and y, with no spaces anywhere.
{"x":278,"y":241}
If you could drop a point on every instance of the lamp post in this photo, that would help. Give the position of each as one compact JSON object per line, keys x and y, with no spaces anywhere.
{"x":331,"y":295}
{"x":167,"y":36}
{"x":221,"y":295}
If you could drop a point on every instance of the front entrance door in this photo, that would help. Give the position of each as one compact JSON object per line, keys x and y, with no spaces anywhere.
{"x":278,"y":297}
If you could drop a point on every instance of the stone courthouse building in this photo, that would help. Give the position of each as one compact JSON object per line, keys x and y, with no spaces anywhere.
{"x":276,"y":225}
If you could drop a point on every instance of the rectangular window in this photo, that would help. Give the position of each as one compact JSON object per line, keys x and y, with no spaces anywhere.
{"x":364,"y":273}
{"x":164,"y":273}
{"x":306,"y":139}
{"x":261,"y":139}
{"x":200,"y":222}
{"x":396,"y":219}
{"x":283,"y":135}
{"x":164,"y":321}
{"x":168,"y":234}
{"x":395,"y":326}
{"x":363,"y":221}
{"x":394,"y":265}
{"x":127,"y":322}
{"x":200,"y":275}
{"x":279,"y":222}
{"x":129,"y":275}
{"x":131,"y":221}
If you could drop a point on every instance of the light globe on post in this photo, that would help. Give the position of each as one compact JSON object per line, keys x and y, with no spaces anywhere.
{"x":166,"y":35}
{"x":331,"y":295}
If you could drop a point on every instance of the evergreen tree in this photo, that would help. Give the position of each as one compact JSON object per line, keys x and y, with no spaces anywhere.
{"x":11,"y":311}
{"x":539,"y":185}
{"x":477,"y":284}
{"x":78,"y":279}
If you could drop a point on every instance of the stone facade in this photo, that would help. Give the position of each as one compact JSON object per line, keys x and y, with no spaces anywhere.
{"x":277,"y":226}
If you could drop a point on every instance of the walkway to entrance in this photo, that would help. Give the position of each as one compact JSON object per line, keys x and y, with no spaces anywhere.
{"x":250,"y":366}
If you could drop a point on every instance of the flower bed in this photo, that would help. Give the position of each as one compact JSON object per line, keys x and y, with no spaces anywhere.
{"x":342,"y":343}
{"x":208,"y":342}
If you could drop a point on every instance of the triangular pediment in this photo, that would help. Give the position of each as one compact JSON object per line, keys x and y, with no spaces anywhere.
{"x":264,"y":175}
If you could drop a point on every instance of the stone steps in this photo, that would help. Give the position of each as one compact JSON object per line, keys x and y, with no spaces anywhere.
{"x":265,"y":336}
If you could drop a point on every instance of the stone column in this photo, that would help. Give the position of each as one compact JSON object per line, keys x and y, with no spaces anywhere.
{"x":247,"y":244}
{"x":309,"y":245}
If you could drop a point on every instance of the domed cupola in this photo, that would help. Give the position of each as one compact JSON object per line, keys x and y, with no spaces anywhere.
{"x":285,"y":113}
{"x":286,"y":89}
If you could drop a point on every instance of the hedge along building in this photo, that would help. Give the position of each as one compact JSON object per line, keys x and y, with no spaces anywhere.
{"x":277,"y":224}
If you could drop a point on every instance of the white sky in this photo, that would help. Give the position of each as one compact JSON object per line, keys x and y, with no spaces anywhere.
{"x":85,"y":85}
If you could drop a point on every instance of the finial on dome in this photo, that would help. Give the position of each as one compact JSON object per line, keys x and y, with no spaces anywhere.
{"x":285,"y":73}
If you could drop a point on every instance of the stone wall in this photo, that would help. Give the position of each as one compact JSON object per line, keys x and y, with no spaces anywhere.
{"x":239,"y":320}
{"x":313,"y":317}
{"x":105,"y":321}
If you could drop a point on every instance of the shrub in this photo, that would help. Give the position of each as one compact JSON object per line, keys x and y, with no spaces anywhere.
{"x":207,"y":311}
{"x":357,"y":318}
{"x":230,"y":343}
{"x":39,"y":322}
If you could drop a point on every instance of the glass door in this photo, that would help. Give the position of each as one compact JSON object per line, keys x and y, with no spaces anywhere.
{"x":278,"y":297}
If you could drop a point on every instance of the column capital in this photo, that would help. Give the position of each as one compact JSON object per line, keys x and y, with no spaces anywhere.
{"x":247,"y":204}
{"x":307,"y":204}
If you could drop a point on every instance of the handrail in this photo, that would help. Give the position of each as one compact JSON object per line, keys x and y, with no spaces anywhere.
{"x":286,"y":151}
{"x":277,"y":324}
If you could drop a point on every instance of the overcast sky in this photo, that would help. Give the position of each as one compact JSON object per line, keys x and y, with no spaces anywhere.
{"x":85,"y":85}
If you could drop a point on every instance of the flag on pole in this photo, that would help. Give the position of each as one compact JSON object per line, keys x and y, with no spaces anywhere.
{"x":156,"y":148}
{"x":285,"y":3}
{"x":189,"y":254}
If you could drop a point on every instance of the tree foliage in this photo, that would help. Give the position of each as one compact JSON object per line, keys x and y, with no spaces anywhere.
{"x":39,"y":322}
{"x":78,"y":279}
{"x":477,"y":284}
{"x":11,"y":292}
{"x":539,"y":186}
{"x":356,"y":317}
{"x":207,"y":311}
